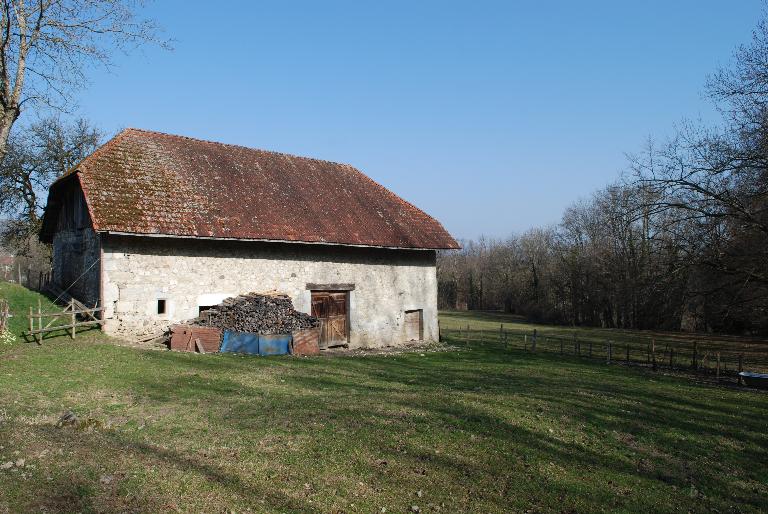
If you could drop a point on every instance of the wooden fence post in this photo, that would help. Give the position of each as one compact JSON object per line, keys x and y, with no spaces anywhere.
{"x":74,"y":317}
{"x":717,"y":372}
{"x":533,"y":343}
{"x":501,"y":332}
{"x":609,"y":351}
{"x":653,"y":354}
{"x":741,"y":367}
{"x":525,"y":342}
{"x":32,"y":323}
{"x":694,"y":358}
{"x":40,"y":318}
{"x":4,"y":314}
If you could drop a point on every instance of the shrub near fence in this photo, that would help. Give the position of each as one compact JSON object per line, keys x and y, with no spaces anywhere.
{"x":707,"y":359}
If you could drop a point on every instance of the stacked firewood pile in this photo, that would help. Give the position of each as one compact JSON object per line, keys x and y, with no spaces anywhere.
{"x":256,"y":313}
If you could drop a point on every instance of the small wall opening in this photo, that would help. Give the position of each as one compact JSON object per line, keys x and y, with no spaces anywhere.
{"x":414,"y":325}
{"x":161,"y":306}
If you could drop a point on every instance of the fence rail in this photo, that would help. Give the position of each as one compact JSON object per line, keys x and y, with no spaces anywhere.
{"x":708,"y":359}
{"x":70,"y":312}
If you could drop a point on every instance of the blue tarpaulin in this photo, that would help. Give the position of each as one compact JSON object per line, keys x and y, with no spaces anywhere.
{"x":274,"y":344}
{"x":254,"y":344}
{"x":240,"y":342}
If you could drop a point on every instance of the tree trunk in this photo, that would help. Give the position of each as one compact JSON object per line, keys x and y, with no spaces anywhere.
{"x":8,"y":116}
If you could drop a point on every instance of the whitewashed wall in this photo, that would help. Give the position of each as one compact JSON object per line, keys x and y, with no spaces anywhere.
{"x":187,"y":273}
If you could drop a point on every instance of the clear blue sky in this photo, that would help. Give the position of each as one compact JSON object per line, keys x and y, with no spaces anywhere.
{"x":491,"y":116}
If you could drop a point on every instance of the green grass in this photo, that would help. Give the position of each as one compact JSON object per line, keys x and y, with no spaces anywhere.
{"x":474,"y":430}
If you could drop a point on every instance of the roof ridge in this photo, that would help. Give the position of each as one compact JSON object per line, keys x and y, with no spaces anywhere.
{"x":231,"y":145}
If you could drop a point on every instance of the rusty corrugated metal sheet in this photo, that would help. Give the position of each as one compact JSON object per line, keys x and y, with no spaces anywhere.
{"x":145,"y":182}
{"x":306,"y":342}
{"x":183,"y":338}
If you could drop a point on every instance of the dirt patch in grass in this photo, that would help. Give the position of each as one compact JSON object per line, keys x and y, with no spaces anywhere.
{"x":405,"y":348}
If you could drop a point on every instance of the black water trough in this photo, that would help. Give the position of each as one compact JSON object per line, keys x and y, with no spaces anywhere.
{"x":759,"y":380}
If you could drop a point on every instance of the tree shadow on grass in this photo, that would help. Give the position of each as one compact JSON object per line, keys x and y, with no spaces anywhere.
{"x":485,"y":406}
{"x":373,"y":386}
{"x":85,"y":492}
{"x":76,"y":493}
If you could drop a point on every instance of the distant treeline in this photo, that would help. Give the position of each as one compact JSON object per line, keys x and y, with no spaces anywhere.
{"x":603,"y":267}
{"x":680,"y":242}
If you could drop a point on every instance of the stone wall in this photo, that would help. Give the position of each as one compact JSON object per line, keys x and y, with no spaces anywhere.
{"x":189,"y":273}
{"x":75,"y":263}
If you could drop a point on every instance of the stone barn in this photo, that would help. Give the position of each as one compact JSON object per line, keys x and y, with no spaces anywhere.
{"x":156,"y":228}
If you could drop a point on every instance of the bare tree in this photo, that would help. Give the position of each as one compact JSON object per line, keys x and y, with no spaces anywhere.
{"x":36,"y":156}
{"x":45,"y":46}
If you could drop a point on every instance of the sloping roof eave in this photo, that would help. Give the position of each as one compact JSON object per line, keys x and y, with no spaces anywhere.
{"x":286,"y":241}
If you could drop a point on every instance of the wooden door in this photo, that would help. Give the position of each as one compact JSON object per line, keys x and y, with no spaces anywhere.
{"x":331,"y":309}
{"x":413,"y":331}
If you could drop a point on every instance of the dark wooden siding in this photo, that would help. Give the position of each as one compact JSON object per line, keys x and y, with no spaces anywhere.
{"x":76,"y":248}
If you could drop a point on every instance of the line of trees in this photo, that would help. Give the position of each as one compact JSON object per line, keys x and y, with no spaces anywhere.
{"x":679,"y":242}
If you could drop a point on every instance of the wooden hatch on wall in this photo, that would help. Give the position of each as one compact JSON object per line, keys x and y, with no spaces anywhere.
{"x":414,"y":325}
{"x":332,"y":309}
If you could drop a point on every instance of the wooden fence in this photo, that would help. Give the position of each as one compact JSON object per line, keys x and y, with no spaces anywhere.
{"x":71,"y":314}
{"x":719,"y":363}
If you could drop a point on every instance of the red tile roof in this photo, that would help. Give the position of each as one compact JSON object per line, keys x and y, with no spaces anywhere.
{"x":144,"y":182}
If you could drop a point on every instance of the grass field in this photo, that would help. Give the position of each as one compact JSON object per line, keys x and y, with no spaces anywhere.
{"x":475,"y":429}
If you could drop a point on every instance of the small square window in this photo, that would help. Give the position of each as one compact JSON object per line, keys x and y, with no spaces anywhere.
{"x":161,"y":306}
